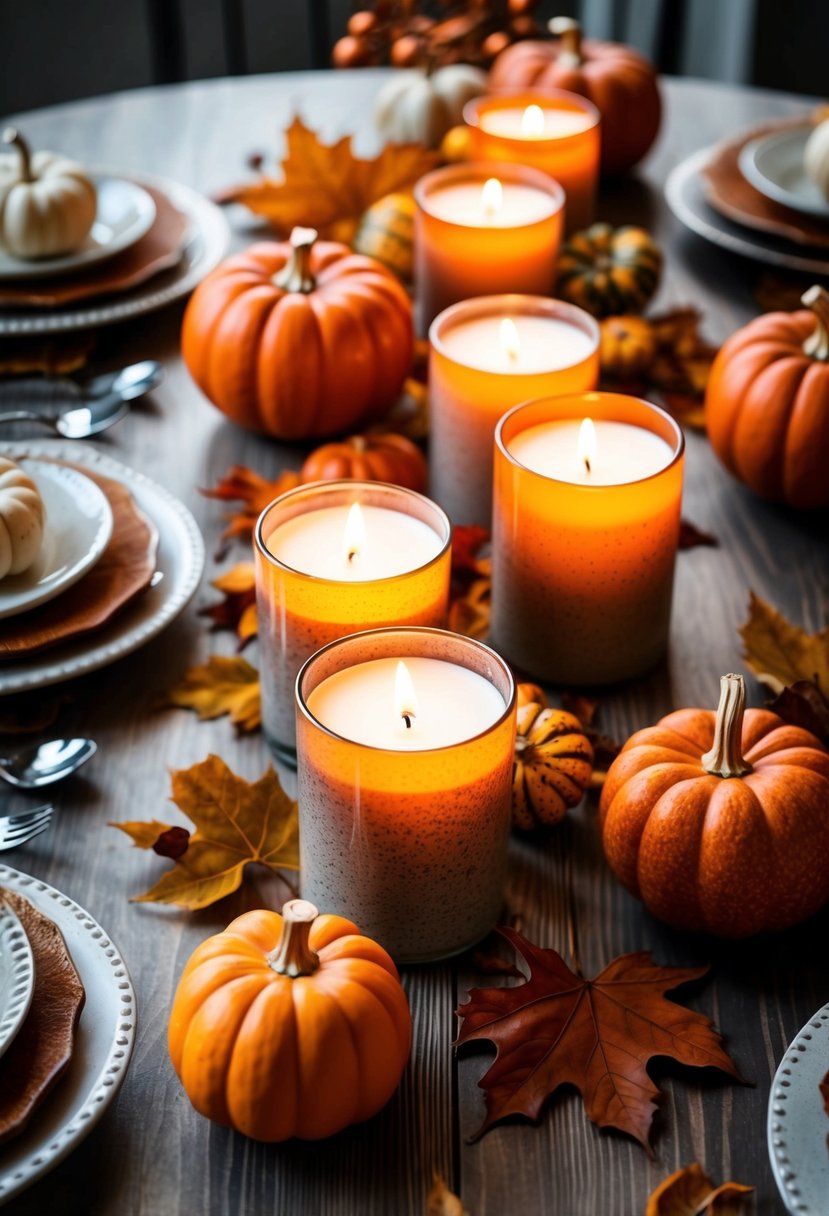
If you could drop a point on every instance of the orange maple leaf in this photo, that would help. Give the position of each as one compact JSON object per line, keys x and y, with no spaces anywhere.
{"x":242,"y":485}
{"x":237,"y":610}
{"x":690,"y":1192}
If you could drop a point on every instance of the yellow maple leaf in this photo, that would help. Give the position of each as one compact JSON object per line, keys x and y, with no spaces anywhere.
{"x":143,"y":834}
{"x":442,"y":1202}
{"x":221,"y":686}
{"x":780,"y":653}
{"x":690,"y":1192}
{"x":237,"y":822}
{"x":325,"y":186}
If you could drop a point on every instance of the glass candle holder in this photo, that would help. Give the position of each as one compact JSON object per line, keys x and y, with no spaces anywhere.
{"x":404,"y":828}
{"x":585,"y":538}
{"x":486,"y":356}
{"x":476,"y":239}
{"x":561,"y":136}
{"x":316,"y":580}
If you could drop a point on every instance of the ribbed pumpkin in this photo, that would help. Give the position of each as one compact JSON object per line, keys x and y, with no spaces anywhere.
{"x":720,"y":821}
{"x":553,"y":762}
{"x":392,"y":458}
{"x":767,"y":404}
{"x":386,"y":233}
{"x":300,"y":339}
{"x":628,"y":347}
{"x":618,"y":80}
{"x":291,"y":1025}
{"x":607,"y":270}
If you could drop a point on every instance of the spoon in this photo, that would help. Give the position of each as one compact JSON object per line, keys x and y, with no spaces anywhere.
{"x":30,"y":767}
{"x":99,"y":401}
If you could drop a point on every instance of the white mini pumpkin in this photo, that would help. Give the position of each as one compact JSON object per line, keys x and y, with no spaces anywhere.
{"x":816,"y":157}
{"x":22,"y":516}
{"x":47,"y":203}
{"x":417,"y":106}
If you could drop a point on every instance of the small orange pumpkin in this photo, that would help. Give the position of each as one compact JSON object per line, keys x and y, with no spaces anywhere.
{"x":291,"y":1025}
{"x":628,"y":347}
{"x":718,"y":821}
{"x":553,"y":762}
{"x":382,"y":457}
{"x":301,"y":339}
{"x":766,"y":404}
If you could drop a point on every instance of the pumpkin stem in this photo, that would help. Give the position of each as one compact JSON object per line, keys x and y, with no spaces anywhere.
{"x":293,"y":956}
{"x":816,"y":345}
{"x":296,"y":275}
{"x":13,"y":136}
{"x":358,"y":443}
{"x":569,"y":31}
{"x":725,"y":758}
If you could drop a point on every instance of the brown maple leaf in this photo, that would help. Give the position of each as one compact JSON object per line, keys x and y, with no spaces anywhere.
{"x":221,"y":686}
{"x":597,"y":1035}
{"x":780,"y":653}
{"x":237,"y":610}
{"x":467,"y":541}
{"x":254,"y":492}
{"x":237,"y":822}
{"x":690,"y":1192}
{"x":803,"y":704}
{"x":690,"y":536}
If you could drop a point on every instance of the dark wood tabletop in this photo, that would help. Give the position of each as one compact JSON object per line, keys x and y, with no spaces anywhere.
{"x":152,"y":1155}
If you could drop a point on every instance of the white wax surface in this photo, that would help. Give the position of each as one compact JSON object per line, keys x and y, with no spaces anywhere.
{"x":558,"y":124}
{"x":545,"y":344}
{"x":453,"y":704}
{"x":623,"y":452}
{"x":314,"y":543}
{"x":461,"y":204}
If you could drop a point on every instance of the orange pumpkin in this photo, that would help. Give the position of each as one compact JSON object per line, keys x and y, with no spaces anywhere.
{"x":300,"y":339}
{"x":291,"y":1025}
{"x":618,"y":80}
{"x":719,"y":822}
{"x":767,"y":404}
{"x":553,"y":761}
{"x":382,"y":457}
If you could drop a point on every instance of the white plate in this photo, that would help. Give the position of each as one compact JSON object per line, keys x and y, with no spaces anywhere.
{"x":685,"y":197}
{"x":17,"y":975}
{"x":206,"y":244}
{"x":798,"y":1125}
{"x":774,"y":166}
{"x":125,"y":213}
{"x":103,"y":1041}
{"x":180,"y":564}
{"x":78,"y":528}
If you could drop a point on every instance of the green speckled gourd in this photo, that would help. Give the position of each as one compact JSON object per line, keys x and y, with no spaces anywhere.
{"x":608,"y":271}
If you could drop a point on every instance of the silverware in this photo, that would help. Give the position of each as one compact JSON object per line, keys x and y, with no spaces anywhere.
{"x":31,"y":767}
{"x":17,"y":829}
{"x":96,"y":402}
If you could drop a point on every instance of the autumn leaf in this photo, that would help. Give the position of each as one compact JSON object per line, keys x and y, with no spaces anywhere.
{"x":237,"y":610}
{"x":597,"y":1035}
{"x":467,"y":540}
{"x":780,"y":653}
{"x":803,"y":704}
{"x":221,"y":686}
{"x":442,"y":1202}
{"x":254,"y":493}
{"x":690,"y":536}
{"x":605,"y":749}
{"x":236,"y":823}
{"x":144,"y":835}
{"x":690,"y":1192}
{"x":470,"y":612}
{"x":325,"y":186}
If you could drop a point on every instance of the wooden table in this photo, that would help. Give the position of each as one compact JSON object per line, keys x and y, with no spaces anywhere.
{"x":152,"y":1155}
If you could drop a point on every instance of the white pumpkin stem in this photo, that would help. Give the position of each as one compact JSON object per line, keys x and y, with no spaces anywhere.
{"x":725,"y":758}
{"x":294,"y":956}
{"x":569,"y":31}
{"x":12,"y":136}
{"x":816,"y":345}
{"x":296,"y":275}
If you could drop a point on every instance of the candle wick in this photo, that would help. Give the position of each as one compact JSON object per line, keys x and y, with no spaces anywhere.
{"x":407,"y":718}
{"x":587,"y":464}
{"x":352,"y":553}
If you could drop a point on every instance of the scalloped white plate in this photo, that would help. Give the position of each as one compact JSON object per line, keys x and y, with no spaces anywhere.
{"x":774,"y":165}
{"x":17,"y":975}
{"x":798,"y":1126}
{"x":103,"y":1041}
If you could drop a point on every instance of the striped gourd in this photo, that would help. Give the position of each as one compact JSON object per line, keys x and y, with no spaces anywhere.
{"x":386,"y":232}
{"x":553,"y":763}
{"x":608,"y":271}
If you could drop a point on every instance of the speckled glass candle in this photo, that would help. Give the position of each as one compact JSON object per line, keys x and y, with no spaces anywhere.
{"x":583,"y":573}
{"x":410,"y":844}
{"x":299,"y":611}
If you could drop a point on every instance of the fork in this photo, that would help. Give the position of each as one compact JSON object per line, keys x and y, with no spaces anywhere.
{"x":17,"y":829}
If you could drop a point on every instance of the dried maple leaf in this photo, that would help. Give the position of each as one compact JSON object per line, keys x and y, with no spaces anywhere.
{"x":143,"y":834}
{"x":598,"y":1035}
{"x":803,"y":704}
{"x":221,"y":686}
{"x":325,"y":186}
{"x":780,"y":653}
{"x":467,"y":540}
{"x":690,"y":1192}
{"x":237,"y":822}
{"x":442,"y":1202}
{"x":254,"y":492}
{"x":582,"y":706}
{"x":470,"y":612}
{"x":605,"y":749}
{"x":237,"y":611}
{"x":690,"y":536}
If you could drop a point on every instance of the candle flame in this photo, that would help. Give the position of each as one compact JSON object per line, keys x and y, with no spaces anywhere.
{"x":354,"y":535}
{"x":508,"y":340}
{"x":587,"y":446}
{"x":492,"y":197}
{"x":405,"y":701}
{"x":532,"y":122}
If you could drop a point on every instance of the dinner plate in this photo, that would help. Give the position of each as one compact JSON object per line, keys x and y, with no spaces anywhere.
{"x":125,"y":214}
{"x":798,"y":1125}
{"x":206,"y":244}
{"x":17,"y":975}
{"x":774,"y":166}
{"x":685,"y":195}
{"x":78,"y":528}
{"x":103,"y":1041}
{"x":179,"y":570}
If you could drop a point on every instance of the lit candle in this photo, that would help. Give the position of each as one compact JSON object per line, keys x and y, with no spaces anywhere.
{"x":331,"y":559}
{"x":555,"y":131}
{"x":587,"y":493}
{"x":487,"y":355}
{"x":484,"y":229}
{"x":405,"y":747}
